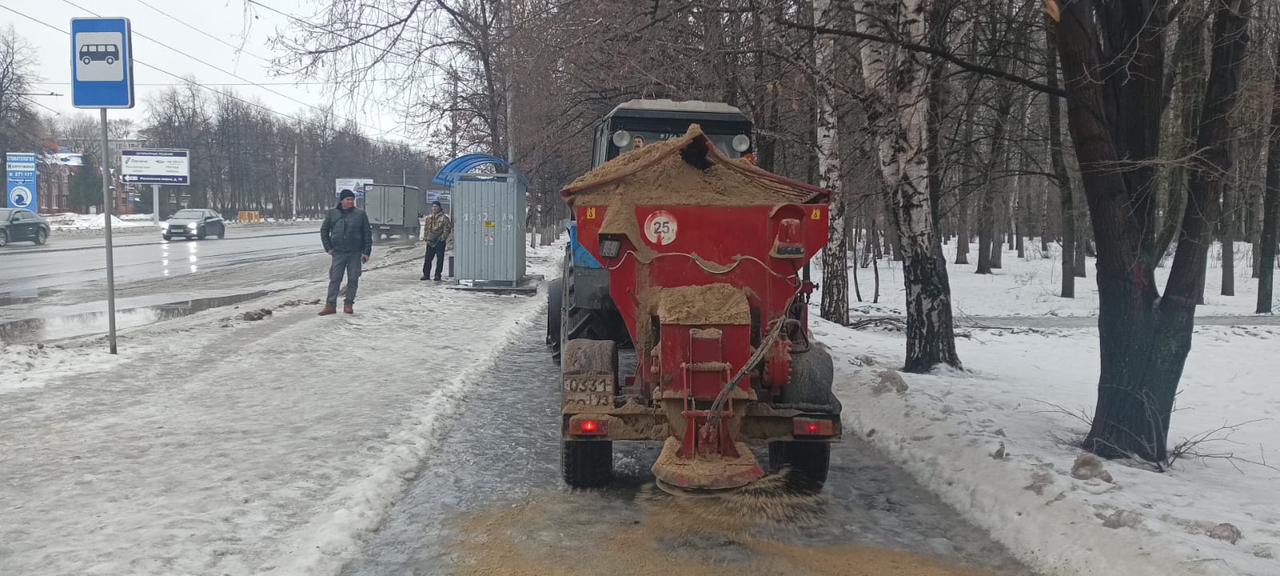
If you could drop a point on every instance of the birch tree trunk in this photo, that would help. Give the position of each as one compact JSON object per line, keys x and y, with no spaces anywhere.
{"x":835,"y":276}
{"x":898,"y":81}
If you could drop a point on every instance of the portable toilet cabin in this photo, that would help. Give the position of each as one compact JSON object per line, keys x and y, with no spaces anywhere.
{"x":488,"y":229}
{"x":488,"y":211}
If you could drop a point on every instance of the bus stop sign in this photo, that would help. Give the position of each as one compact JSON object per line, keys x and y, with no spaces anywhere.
{"x":101,"y":63}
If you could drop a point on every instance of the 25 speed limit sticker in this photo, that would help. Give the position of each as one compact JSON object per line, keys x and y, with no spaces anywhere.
{"x":660,"y":228}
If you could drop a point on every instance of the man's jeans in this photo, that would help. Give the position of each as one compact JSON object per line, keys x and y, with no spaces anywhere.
{"x":348,"y":263}
{"x":435,"y":251}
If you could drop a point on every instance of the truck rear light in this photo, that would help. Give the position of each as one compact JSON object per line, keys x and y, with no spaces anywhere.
{"x":589,"y":427}
{"x":812,"y":427}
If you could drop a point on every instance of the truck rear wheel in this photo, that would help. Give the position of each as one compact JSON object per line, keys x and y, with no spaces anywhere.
{"x":587,"y":463}
{"x":808,"y":462}
{"x":809,"y":390}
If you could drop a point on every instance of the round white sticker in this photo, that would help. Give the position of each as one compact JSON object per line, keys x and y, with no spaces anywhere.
{"x":20,"y":197}
{"x":660,"y":228}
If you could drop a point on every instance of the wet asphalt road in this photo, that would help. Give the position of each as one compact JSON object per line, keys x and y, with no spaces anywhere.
{"x":78,"y":262}
{"x":490,"y":501}
{"x":58,"y":291}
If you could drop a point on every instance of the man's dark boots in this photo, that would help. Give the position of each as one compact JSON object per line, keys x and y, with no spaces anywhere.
{"x":329,"y":309}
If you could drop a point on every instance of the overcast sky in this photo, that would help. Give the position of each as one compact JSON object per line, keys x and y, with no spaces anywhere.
{"x":227,"y":25}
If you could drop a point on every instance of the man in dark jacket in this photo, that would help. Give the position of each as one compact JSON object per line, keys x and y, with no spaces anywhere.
{"x":348,"y":238}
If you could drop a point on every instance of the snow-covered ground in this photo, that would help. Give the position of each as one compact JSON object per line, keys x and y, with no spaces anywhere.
{"x":1031,"y":287}
{"x":215,"y":444}
{"x":996,"y":440}
{"x":73,"y":221}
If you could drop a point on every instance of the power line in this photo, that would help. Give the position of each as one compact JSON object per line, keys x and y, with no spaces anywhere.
{"x":186,"y":82}
{"x":234,"y":75}
{"x":55,"y":112}
{"x":202,"y":32}
{"x":309,"y":83}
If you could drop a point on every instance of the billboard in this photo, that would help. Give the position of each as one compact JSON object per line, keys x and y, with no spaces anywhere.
{"x":21,"y":181}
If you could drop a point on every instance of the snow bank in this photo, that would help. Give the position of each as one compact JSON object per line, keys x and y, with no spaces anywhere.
{"x":33,"y":365}
{"x":995,"y":441}
{"x":220,"y":445}
{"x":73,"y":221}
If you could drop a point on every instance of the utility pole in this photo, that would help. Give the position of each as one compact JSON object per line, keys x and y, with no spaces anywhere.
{"x":295,"y":181}
{"x":404,"y":179}
{"x":511,"y":93}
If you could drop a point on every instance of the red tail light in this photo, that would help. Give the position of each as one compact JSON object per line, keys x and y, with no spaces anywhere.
{"x":589,"y":427}
{"x":811,"y":427}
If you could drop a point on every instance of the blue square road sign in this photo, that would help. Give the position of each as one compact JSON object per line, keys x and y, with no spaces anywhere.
{"x":101,"y":63}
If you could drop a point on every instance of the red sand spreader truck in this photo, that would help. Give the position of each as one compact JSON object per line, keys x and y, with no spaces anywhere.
{"x":705,"y":256}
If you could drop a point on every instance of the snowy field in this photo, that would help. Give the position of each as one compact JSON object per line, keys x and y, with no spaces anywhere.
{"x":996,"y":440}
{"x":215,"y":444}
{"x":1031,"y":287}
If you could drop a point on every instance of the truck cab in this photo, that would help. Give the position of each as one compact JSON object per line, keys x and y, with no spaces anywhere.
{"x":640,"y":122}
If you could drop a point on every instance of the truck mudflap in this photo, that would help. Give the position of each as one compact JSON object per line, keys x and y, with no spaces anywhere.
{"x":760,"y":422}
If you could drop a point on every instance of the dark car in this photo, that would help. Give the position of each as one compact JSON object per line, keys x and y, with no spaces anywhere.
{"x":195,"y":223}
{"x":18,"y":225}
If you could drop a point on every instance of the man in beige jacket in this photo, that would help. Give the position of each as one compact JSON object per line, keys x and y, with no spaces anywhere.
{"x":436,"y":231}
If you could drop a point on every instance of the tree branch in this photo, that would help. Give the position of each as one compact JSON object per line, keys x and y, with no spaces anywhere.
{"x":945,"y":55}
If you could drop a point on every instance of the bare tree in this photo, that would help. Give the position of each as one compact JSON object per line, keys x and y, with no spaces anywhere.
{"x":1060,"y":175}
{"x":20,"y":126}
{"x":1114,"y":92}
{"x":1271,"y":203}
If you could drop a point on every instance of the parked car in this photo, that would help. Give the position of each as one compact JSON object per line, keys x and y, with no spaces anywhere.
{"x":18,"y":225}
{"x":195,"y":223}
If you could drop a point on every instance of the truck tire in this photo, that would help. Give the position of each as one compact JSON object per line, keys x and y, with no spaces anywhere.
{"x":587,"y":463}
{"x":808,"y":462}
{"x":555,"y":297}
{"x":812,"y":373}
{"x":809,"y":389}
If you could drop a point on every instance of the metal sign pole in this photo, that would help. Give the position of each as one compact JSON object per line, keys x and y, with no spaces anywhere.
{"x":155,"y":204}
{"x":106,"y":218}
{"x":102,"y":77}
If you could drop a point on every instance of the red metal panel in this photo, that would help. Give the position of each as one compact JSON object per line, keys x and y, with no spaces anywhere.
{"x":702,"y":245}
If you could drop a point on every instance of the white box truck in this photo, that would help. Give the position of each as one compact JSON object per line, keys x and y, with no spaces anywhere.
{"x":394,"y":210}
